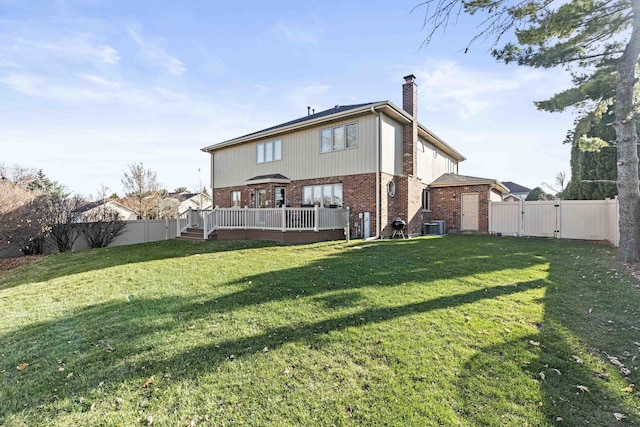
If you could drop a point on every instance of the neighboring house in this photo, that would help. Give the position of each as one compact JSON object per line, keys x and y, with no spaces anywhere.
{"x":94,"y":211}
{"x":516,"y":192}
{"x":173,"y":203}
{"x":374,"y":158}
{"x":186,"y":201}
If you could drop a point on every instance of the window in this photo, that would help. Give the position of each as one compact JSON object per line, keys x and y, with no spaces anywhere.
{"x":281,"y":198}
{"x":269,"y":151}
{"x":261,"y":198}
{"x":391,"y":188}
{"x":235,"y":199}
{"x":339,"y":138}
{"x":328,"y":195}
{"x":426,"y":200}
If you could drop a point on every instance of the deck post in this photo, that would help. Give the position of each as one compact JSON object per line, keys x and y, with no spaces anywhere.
{"x":316,"y":218}
{"x":204,"y":224}
{"x":284,"y":218}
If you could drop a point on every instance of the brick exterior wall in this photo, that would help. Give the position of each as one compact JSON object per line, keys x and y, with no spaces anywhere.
{"x":446,"y":204}
{"x":410,"y":131}
{"x":358,"y":193}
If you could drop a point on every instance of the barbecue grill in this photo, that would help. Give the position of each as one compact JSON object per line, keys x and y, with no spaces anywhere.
{"x":398,"y":227}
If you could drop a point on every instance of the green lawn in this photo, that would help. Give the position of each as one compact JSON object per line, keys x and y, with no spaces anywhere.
{"x":460,"y":330}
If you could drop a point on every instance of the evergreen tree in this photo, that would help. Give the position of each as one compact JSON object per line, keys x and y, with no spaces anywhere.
{"x":599,"y":42}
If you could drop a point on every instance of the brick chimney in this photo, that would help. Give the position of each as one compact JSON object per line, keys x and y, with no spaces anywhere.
{"x":410,"y":131}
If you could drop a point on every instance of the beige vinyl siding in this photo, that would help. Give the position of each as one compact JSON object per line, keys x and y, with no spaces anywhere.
{"x":391,"y":132}
{"x":301,"y":157}
{"x":433,"y":162}
{"x":494,"y":197}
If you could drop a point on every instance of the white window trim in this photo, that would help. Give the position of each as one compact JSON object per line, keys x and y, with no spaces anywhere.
{"x":273,"y":151}
{"x":331,"y":132}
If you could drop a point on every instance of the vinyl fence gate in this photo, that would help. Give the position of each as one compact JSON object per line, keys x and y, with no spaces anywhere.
{"x":562,"y":219}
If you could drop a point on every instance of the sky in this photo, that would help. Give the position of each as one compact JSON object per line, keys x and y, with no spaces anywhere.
{"x":88,"y":87}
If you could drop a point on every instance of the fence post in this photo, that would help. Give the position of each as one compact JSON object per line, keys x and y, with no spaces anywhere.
{"x":316,"y":218}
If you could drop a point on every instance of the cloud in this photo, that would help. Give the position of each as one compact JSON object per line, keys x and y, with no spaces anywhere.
{"x":155,"y":55}
{"x":447,"y":85}
{"x":297,"y":34}
{"x":303,"y":96}
{"x":20,"y":50}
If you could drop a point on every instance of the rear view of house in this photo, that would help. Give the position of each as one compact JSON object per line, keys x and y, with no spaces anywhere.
{"x":374,"y":158}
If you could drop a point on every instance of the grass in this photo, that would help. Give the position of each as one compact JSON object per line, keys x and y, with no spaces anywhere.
{"x":460,"y":330}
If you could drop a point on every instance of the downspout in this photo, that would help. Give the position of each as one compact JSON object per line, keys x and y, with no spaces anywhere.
{"x":378,"y":150}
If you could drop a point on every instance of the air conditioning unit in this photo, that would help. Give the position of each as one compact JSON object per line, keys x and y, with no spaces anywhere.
{"x":441,"y":228}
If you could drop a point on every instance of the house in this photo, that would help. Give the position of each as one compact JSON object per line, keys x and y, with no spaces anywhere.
{"x":374,"y":158}
{"x":173,"y":203}
{"x":516,"y":192}
{"x":96,"y":211}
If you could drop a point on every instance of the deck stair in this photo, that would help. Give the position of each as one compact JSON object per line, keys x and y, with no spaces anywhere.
{"x":193,"y":233}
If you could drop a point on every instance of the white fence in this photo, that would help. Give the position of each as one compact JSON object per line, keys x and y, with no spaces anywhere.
{"x":562,"y":219}
{"x":277,"y":219}
{"x":140,"y":231}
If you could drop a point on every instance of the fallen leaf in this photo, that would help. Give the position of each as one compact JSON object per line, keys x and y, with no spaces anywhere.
{"x":22,"y":366}
{"x":619,"y":416}
{"x":191,"y":327}
{"x":286,"y":371}
{"x":150,"y":420}
{"x":467,"y":318}
{"x":625,"y":371}
{"x":110,"y":349}
{"x":119,"y":400}
{"x":583,"y":388}
{"x":577,"y":359}
{"x":507,"y":330}
{"x":615,"y":361}
{"x":148,"y":382}
{"x":542,"y":375}
{"x":628,"y":389}
{"x":70,"y":375}
{"x":557,"y":371}
{"x":532,"y":342}
{"x":265,"y":350}
{"x":559,"y":419}
{"x":485,"y":333}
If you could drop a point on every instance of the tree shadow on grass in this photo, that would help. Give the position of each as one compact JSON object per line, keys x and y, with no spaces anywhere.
{"x":122,"y":342}
{"x":562,"y":370}
{"x":123,"y":346}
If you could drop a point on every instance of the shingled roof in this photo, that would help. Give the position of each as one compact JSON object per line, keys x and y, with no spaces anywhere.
{"x":515,"y":188}
{"x":454,"y":180}
{"x":335,"y":110}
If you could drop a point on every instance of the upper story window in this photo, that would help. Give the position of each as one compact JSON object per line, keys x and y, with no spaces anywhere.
{"x":269,"y":151}
{"x":339,"y":138}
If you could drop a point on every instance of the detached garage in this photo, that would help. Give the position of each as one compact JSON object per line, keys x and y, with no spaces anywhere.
{"x":463,"y":201}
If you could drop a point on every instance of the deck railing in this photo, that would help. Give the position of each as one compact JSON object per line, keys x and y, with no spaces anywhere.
{"x":276,"y":219}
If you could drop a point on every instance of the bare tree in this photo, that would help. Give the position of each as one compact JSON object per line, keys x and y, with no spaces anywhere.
{"x":142,"y":189}
{"x":63,"y":217}
{"x":21,"y":222}
{"x":559,"y":183}
{"x":102,"y":224}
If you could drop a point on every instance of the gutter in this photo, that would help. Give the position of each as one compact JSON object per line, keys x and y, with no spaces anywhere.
{"x":378,"y":150}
